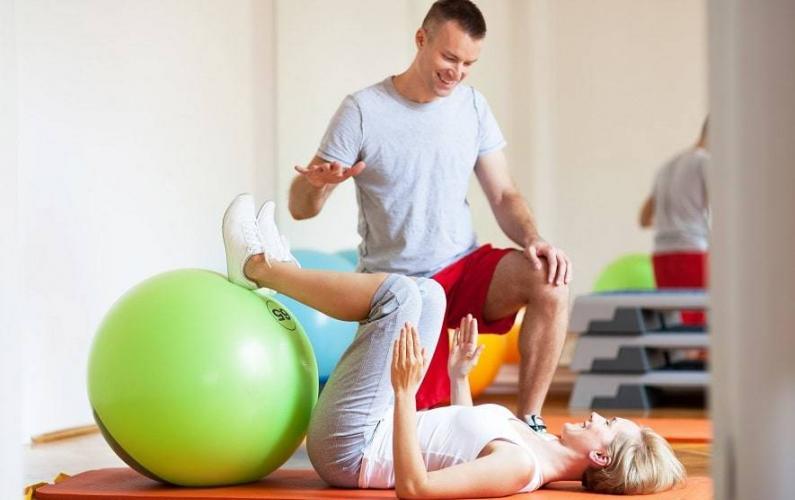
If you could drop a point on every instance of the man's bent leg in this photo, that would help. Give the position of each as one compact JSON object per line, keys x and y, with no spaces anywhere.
{"x":517,"y":284}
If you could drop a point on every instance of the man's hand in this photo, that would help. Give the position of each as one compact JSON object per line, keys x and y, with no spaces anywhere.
{"x":465,"y":351}
{"x":409,"y":360}
{"x":322,"y":174}
{"x":560,"y":271}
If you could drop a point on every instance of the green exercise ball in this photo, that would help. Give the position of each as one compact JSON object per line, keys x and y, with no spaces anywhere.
{"x":629,"y":272}
{"x":196,"y":381}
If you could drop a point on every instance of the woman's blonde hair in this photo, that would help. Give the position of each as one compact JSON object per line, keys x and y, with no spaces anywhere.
{"x":638,"y":466}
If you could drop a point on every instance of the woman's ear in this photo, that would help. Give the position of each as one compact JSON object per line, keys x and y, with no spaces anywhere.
{"x":599,"y":459}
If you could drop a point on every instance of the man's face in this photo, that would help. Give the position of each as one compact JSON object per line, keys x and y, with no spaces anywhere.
{"x":446,"y":57}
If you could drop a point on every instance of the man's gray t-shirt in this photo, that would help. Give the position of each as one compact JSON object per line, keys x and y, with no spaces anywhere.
{"x":681,"y":209}
{"x":414,"y":217}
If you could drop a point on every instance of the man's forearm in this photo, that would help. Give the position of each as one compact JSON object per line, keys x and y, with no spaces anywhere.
{"x":647,"y":213}
{"x":460,"y":393}
{"x":514,"y":217}
{"x":306,"y":200}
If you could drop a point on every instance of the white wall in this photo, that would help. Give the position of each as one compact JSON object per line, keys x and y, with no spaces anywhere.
{"x":10,"y":344}
{"x":591,"y":96}
{"x":629,"y":91}
{"x":326,"y":50}
{"x":138,"y":122}
{"x":752,"y":91}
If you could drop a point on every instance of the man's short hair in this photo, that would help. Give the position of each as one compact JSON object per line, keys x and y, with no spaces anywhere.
{"x":463,"y":12}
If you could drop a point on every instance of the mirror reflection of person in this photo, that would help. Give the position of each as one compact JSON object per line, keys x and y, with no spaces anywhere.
{"x":678,"y":211}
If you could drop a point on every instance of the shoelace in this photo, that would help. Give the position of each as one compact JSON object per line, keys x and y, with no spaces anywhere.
{"x":275,"y":244}
{"x":251,"y":235}
{"x":287,"y":256}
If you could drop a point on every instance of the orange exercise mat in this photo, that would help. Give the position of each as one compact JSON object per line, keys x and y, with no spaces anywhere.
{"x":675,"y":430}
{"x":126,"y":484}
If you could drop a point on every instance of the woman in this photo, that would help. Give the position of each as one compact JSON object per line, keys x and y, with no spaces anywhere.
{"x":362,"y":434}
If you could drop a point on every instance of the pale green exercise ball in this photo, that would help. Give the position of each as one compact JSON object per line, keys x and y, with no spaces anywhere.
{"x":628,"y":272}
{"x":195,"y":381}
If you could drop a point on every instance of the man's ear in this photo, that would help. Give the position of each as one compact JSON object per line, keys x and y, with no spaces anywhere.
{"x":599,"y":458}
{"x":421,"y":38}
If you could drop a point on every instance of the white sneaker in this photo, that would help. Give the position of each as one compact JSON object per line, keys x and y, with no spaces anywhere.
{"x":536,"y":423}
{"x":241,"y":239}
{"x":274,"y":243}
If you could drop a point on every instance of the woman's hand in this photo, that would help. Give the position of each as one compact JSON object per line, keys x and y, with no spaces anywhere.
{"x":465,"y":351}
{"x":409,"y":360}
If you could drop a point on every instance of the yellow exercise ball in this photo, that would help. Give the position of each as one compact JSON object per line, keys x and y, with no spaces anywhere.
{"x":512,"y":350}
{"x":489,"y":364}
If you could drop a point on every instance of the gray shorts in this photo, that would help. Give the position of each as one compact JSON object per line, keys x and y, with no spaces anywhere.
{"x":359,"y":391}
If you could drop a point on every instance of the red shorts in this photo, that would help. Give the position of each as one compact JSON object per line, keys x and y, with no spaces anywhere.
{"x":466,"y":283}
{"x":682,"y":270}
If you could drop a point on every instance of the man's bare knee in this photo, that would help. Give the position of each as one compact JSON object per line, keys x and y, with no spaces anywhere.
{"x":538,"y":293}
{"x":549,"y":297}
{"x":518,"y":284}
{"x":545,"y":312}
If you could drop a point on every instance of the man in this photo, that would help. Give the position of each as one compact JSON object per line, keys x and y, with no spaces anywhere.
{"x":678,"y":209}
{"x":411,"y":143}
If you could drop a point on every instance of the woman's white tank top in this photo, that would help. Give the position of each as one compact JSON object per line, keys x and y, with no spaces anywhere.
{"x":448,"y":436}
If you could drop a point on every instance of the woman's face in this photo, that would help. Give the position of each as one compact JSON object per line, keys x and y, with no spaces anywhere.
{"x":596,"y":433}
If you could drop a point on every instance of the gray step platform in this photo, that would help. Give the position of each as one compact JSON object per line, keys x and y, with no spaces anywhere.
{"x":632,"y":312}
{"x":598,"y":390}
{"x":629,"y":354}
{"x":622,"y":355}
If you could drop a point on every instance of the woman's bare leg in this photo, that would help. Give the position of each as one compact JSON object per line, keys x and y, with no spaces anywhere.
{"x":342,"y":295}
